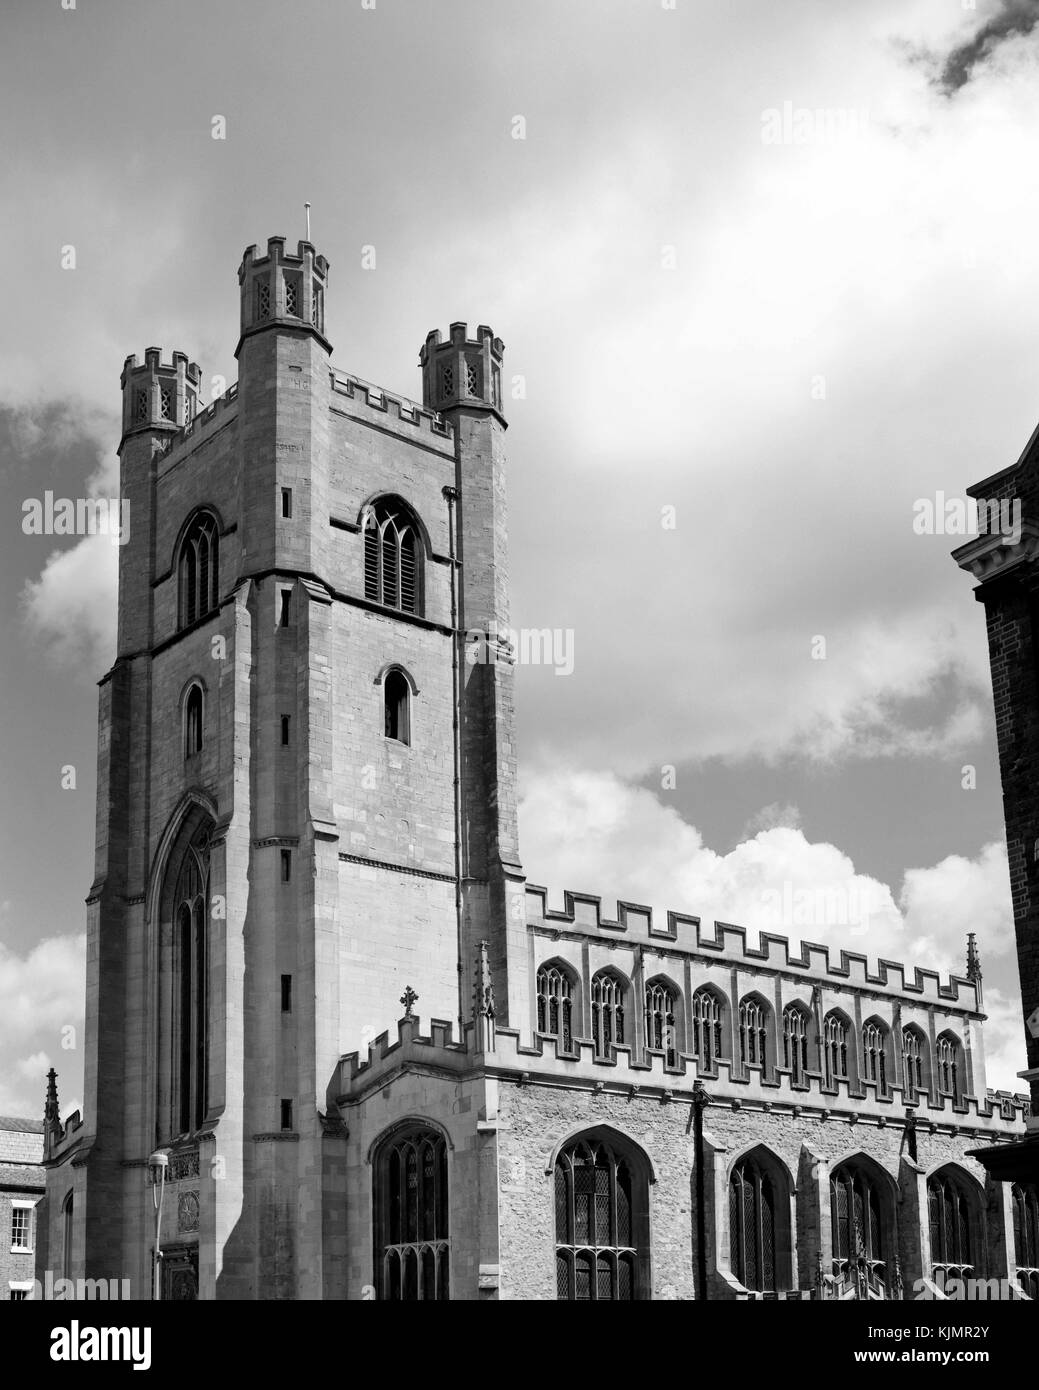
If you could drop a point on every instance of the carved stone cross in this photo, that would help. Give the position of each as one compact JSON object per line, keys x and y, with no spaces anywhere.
{"x":408,"y":998}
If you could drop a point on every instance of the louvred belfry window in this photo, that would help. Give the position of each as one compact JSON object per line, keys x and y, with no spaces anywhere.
{"x":391,"y":556}
{"x":555,"y":1005}
{"x":411,"y":1213}
{"x":191,"y":986}
{"x":600,"y":1200}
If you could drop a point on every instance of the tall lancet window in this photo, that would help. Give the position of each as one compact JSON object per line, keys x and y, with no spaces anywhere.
{"x":391,"y":556}
{"x":198,"y":570}
{"x":190,"y":994}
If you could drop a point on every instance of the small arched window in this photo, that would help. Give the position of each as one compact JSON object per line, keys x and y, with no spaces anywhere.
{"x":67,"y":1227}
{"x":1025,"y":1200}
{"x":795,"y":1043}
{"x":875,"y":1037}
{"x":952,"y":1244}
{"x":555,"y":992}
{"x":391,"y":556}
{"x":914,"y":1051}
{"x":607,"y":1012}
{"x":753,"y":1032}
{"x":949,"y":1056}
{"x":707,"y":1029}
{"x":412,"y":1248}
{"x":397,"y":706}
{"x":198,"y":570}
{"x":601,"y":1223}
{"x":835,"y":1045}
{"x":857,"y":1225}
{"x":661,"y":1004}
{"x":193,"y":721}
{"x":752,"y":1226}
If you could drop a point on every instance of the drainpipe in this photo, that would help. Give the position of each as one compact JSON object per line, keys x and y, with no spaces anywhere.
{"x":701,"y":1100}
{"x":451,"y":497}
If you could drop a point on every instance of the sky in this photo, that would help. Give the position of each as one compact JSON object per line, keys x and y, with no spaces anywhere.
{"x":764,"y":275}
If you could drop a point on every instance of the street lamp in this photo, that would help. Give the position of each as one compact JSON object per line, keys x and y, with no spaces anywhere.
{"x":157,"y":1166}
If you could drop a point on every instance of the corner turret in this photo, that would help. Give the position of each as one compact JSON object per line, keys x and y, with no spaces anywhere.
{"x":463,"y":371}
{"x":160,"y":396}
{"x":283,"y":290}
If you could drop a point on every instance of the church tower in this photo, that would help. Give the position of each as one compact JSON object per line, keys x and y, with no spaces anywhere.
{"x":306,"y":802}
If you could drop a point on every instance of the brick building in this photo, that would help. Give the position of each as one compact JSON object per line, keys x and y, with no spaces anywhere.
{"x":1004,"y":558}
{"x":307,"y":813}
{"x":22,"y":1183}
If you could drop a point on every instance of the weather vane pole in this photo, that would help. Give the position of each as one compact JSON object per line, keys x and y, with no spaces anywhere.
{"x":307,"y":206}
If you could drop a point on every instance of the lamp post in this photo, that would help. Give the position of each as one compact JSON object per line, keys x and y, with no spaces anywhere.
{"x":157,"y":1166}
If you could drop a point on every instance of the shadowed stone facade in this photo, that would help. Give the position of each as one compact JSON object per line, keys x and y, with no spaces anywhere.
{"x":307,"y":812}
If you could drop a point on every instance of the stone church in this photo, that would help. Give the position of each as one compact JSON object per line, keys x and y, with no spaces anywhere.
{"x":331,"y":1031}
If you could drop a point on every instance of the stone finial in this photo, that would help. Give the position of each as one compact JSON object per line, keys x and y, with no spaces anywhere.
{"x":973,"y":959}
{"x":483,"y":1000}
{"x":408,"y":998}
{"x":51,"y":1113}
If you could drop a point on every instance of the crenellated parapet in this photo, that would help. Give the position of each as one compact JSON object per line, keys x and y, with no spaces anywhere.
{"x":159,"y":397}
{"x":582,"y":919}
{"x":462,"y":371}
{"x":282,"y":290}
{"x":393,"y":412}
{"x":630,"y":1072}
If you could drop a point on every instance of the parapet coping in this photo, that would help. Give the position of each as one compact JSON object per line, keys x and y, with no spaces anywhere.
{"x":729,"y":942}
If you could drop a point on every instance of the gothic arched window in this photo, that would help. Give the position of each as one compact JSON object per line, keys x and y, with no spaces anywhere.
{"x":707,"y":1029}
{"x":190,"y":1053}
{"x":857,"y":1224}
{"x":555,"y":991}
{"x":412,"y":1247}
{"x":875,"y":1039}
{"x":67,"y":1228}
{"x":601,"y":1222}
{"x":193,"y":721}
{"x":795,"y":1042}
{"x":1025,"y":1200}
{"x":391,"y":555}
{"x":835,"y":1045}
{"x":397,"y":706}
{"x":752,"y":1226}
{"x":198,"y":570}
{"x":914,"y":1052}
{"x":949,"y":1214}
{"x":949,"y":1056}
{"x":753,"y":1032}
{"x":607,"y":1012}
{"x":661,"y":1006}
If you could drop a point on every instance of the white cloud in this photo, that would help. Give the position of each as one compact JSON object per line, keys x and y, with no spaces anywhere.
{"x":71,"y":608}
{"x":590,"y":832}
{"x":42,"y":997}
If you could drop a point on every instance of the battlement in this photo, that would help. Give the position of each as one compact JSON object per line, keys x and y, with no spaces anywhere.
{"x":283,"y":289}
{"x":462,"y":371}
{"x":159,"y":396}
{"x":998,"y":1114}
{"x":582,"y":917}
{"x":397,"y":410}
{"x":59,"y":1142}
